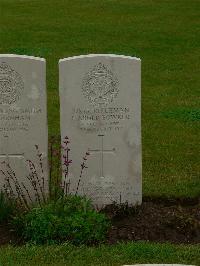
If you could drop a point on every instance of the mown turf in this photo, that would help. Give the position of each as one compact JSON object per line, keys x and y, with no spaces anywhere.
{"x":120,"y":254}
{"x":164,"y":34}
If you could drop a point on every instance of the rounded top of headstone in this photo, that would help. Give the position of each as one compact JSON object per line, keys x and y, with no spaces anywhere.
{"x":99,"y":55}
{"x":22,"y":57}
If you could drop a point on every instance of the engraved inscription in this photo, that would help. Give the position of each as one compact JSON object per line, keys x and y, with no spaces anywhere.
{"x":13,"y":119}
{"x":11,"y":85}
{"x":109,"y":190}
{"x":101,"y":119}
{"x":100,"y":87}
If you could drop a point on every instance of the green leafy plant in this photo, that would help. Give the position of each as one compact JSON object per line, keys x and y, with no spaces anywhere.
{"x":70,"y":218}
{"x":7,"y":207}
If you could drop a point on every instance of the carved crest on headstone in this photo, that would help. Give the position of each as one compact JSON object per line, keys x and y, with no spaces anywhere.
{"x":100,"y":86}
{"x":11,"y":84}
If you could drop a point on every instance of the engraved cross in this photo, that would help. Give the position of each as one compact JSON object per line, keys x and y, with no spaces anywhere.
{"x":102,"y":151}
{"x":8,"y":155}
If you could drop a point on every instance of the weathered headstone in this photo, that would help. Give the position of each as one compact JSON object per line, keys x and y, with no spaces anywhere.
{"x":100,"y":97}
{"x":23,"y":120}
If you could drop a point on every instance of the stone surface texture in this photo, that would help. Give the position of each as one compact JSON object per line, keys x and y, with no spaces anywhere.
{"x":100,"y":99}
{"x":23,"y":118}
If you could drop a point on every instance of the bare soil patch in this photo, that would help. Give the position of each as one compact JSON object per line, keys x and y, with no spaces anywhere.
{"x":159,"y":220}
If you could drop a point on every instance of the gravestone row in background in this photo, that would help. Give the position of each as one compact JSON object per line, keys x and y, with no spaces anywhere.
{"x":100,"y":98}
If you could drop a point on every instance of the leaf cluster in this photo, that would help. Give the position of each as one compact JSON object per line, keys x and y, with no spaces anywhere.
{"x":69,"y":218}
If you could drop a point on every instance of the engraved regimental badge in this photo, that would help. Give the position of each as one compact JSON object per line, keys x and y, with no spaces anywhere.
{"x":11,"y":84}
{"x":100,"y":87}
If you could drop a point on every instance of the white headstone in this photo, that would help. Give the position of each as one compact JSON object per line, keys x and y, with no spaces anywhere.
{"x":23,"y":118}
{"x":100,"y":98}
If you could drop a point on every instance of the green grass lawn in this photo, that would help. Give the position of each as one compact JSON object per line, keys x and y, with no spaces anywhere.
{"x":120,"y":254}
{"x":163,"y":33}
